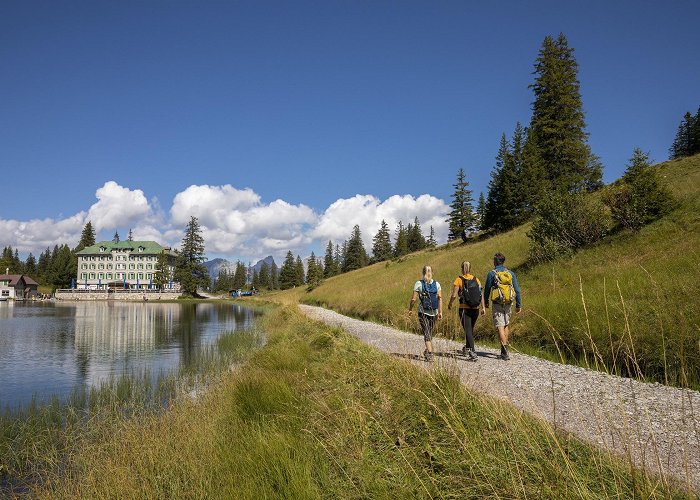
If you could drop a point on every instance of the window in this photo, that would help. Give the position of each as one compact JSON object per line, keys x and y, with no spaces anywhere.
{"x":132,"y":266}
{"x":84,"y":266}
{"x":140,"y":266}
{"x":141,"y":249}
{"x":92,"y":266}
{"x":102,"y":249}
{"x":140,"y":276}
{"x":101,"y":275}
{"x":5,"y":293}
{"x":101,"y":266}
{"x":83,"y":276}
{"x":149,"y":276}
{"x":120,"y":275}
{"x":92,"y":276}
{"x":149,"y":266}
{"x":109,"y":266}
{"x":109,"y":276}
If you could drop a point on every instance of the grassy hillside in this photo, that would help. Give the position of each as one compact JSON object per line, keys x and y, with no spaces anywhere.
{"x":317,"y":414}
{"x":629,"y":305}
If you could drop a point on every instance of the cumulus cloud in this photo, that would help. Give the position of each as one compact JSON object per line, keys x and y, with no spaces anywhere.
{"x":368,"y":211}
{"x":235,"y":222}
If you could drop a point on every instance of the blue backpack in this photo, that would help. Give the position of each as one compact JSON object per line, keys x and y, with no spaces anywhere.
{"x":429,"y":296}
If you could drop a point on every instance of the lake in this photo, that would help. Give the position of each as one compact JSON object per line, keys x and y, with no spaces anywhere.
{"x":49,"y":349}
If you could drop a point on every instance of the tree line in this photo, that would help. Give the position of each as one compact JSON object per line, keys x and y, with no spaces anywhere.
{"x":687,"y":140}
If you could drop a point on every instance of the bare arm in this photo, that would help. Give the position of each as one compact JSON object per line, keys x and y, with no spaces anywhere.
{"x":455,"y":292}
{"x":414,"y":297}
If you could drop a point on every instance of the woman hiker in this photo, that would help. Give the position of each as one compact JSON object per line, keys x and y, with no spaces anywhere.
{"x":471,"y":301}
{"x":428,"y":293}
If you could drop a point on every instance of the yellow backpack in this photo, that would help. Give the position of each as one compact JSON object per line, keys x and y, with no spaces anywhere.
{"x":502,"y":291}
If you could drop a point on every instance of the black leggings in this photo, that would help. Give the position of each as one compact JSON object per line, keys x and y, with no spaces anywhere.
{"x":468,"y":318}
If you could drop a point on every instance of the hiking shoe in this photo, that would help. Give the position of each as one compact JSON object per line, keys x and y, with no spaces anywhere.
{"x":504,"y":356}
{"x":472,"y":355}
{"x":428,"y":355}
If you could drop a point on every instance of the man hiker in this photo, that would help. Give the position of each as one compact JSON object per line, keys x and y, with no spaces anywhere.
{"x":428,"y":293}
{"x":502,"y":290}
{"x":471,"y":301}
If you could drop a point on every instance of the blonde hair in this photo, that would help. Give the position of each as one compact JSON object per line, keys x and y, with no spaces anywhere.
{"x":466,"y":267}
{"x":427,"y":269}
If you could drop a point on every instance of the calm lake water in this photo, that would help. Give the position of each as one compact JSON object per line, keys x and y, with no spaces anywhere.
{"x":49,"y":349}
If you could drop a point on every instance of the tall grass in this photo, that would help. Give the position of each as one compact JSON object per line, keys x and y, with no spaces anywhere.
{"x":36,"y":440}
{"x":315,"y":413}
{"x":629,"y":304}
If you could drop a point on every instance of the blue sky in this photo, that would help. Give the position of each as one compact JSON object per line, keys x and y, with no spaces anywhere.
{"x":309,"y":103}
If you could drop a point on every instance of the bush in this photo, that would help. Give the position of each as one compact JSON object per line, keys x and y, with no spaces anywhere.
{"x":566,"y":222}
{"x":639,"y":197}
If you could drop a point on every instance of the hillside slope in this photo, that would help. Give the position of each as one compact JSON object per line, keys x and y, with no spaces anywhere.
{"x":628,"y":305}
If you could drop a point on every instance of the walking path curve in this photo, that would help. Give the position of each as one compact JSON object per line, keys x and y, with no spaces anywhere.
{"x":657,"y":426}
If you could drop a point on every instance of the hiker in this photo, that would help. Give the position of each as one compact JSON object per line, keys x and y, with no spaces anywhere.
{"x":502,"y":290}
{"x":471,"y":302}
{"x":428,"y":293}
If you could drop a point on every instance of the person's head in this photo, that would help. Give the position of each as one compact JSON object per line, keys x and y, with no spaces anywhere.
{"x":427,"y":273}
{"x":466,"y":267}
{"x":499,"y":259}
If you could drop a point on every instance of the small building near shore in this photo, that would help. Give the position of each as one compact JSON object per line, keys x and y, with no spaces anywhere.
{"x":124,"y":265}
{"x":17,"y":286}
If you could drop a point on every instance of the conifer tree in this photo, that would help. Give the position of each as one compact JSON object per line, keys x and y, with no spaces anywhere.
{"x":299,"y":268}
{"x":381,"y":243}
{"x":288,"y":272}
{"x":30,"y":265}
{"x":115,"y":238}
{"x":130,"y":236}
{"x":42,"y":267}
{"x":264,"y":276}
{"x":462,"y":217}
{"x":401,"y":241}
{"x":189,"y":268}
{"x":501,"y":205}
{"x":431,"y":243}
{"x":314,"y":272}
{"x":338,"y":259}
{"x":533,"y":181}
{"x":558,"y":121}
{"x":161,"y":276}
{"x":87,"y":237}
{"x":480,"y":211}
{"x":355,"y":254}
{"x":239,"y":276}
{"x":685,"y":143}
{"x":255,"y":281}
{"x":414,"y":237}
{"x":274,"y":277}
{"x":330,"y":266}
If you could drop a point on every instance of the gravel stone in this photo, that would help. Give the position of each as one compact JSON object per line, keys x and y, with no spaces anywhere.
{"x":655,"y":425}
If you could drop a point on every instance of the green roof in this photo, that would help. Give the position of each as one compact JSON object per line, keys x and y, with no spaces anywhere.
{"x":149,"y":247}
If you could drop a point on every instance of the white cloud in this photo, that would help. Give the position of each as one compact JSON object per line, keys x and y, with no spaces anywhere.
{"x":368,"y":211}
{"x":235,"y":223}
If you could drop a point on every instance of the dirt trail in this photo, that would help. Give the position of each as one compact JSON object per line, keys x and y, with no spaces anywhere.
{"x":656,"y":425}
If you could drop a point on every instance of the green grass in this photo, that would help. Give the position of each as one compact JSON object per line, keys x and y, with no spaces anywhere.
{"x":629,"y":305}
{"x":316,"y":413}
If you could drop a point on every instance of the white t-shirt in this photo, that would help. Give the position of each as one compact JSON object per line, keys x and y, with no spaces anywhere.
{"x":418,"y":287}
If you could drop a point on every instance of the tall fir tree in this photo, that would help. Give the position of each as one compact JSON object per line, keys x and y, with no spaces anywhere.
{"x":240,"y":276}
{"x":400,"y":240}
{"x":501,"y":211}
{"x":314,"y":272}
{"x":338,"y":259}
{"x":431,"y":242}
{"x":264,"y":276}
{"x":462,"y":217}
{"x":480,"y":211}
{"x":381,"y":243}
{"x":115,"y":238}
{"x":30,"y":265}
{"x":87,"y":237}
{"x":355,"y":254}
{"x":189,"y":267}
{"x":299,"y":272}
{"x":161,"y":276}
{"x":288,"y":272}
{"x":414,"y":237}
{"x":274,"y":276}
{"x":130,"y":236}
{"x":558,"y":121}
{"x":330,"y":267}
{"x":687,"y":135}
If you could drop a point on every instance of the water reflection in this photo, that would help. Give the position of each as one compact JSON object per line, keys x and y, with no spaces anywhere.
{"x":49,"y":349}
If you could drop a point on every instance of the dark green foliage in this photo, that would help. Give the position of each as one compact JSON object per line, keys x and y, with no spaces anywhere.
{"x":338,"y":258}
{"x":115,"y":238}
{"x":687,"y":141}
{"x":564,"y":223}
{"x":299,"y":269}
{"x":462,"y":216}
{"x":240,"y":276}
{"x":288,"y":273}
{"x":63,"y":267}
{"x":264,"y":276}
{"x":558,"y":122}
{"x":11,"y":260}
{"x":189,"y":268}
{"x":87,"y":237}
{"x":401,"y":241}
{"x":161,"y":277}
{"x":42,"y":266}
{"x":381,"y":243}
{"x":130,"y":236}
{"x":355,"y":253}
{"x":480,"y":211}
{"x":430,"y":242}
{"x":331,"y":265}
{"x":502,"y":206}
{"x":414,"y":237}
{"x":30,"y":266}
{"x":639,"y":197}
{"x":274,"y":277}
{"x":314,"y":272}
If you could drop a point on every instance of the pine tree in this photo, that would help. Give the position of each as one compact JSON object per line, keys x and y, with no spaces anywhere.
{"x":42,"y":267}
{"x":161,"y":277}
{"x":299,"y":269}
{"x":288,"y":272}
{"x":501,"y":211}
{"x":330,"y":266}
{"x":381,"y":243}
{"x":687,"y":138}
{"x":414,"y":237}
{"x":274,"y":277}
{"x":480,"y":211}
{"x":115,"y":238}
{"x":87,"y":237}
{"x":558,"y":121}
{"x":431,"y":243}
{"x":462,"y":217}
{"x":189,"y":268}
{"x":130,"y":236}
{"x":255,"y":281}
{"x":695,"y":135}
{"x":400,"y":241}
{"x":239,"y":276}
{"x":264,"y":276}
{"x":314,"y":274}
{"x":533,"y":181}
{"x":30,"y":265}
{"x":355,"y":255}
{"x":63,"y":267}
{"x":338,"y":259}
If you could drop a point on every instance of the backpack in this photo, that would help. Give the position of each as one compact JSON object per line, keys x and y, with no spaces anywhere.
{"x":502,"y":291}
{"x":429,"y":296}
{"x":470,"y":293}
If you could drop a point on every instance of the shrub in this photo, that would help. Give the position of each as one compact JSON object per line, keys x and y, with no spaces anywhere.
{"x":566,"y":222}
{"x":639,"y":197}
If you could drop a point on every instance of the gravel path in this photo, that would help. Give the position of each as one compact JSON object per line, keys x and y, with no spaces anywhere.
{"x":656,"y":425}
